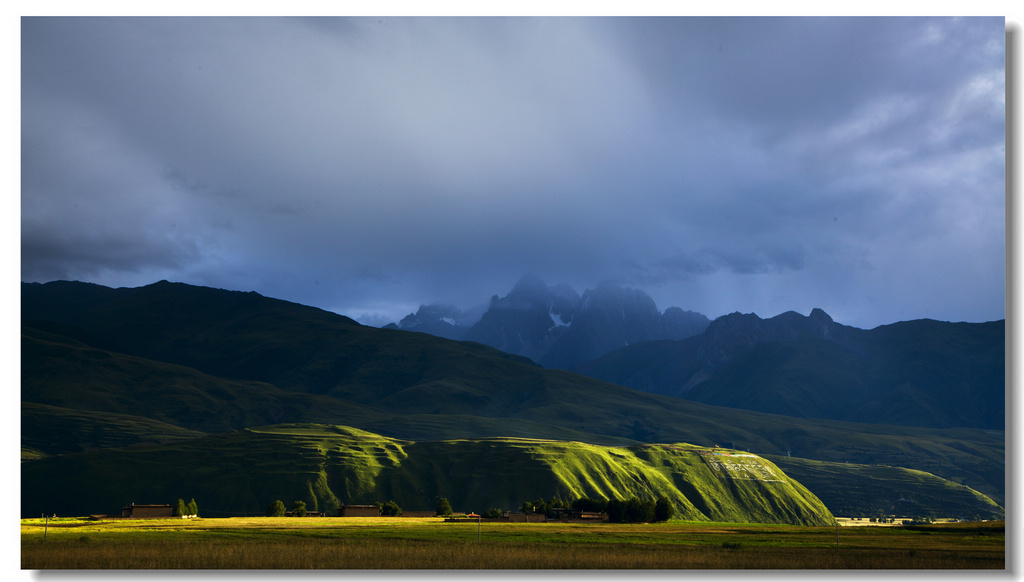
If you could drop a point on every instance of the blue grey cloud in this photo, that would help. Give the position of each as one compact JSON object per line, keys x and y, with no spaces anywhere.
{"x":368,"y":165}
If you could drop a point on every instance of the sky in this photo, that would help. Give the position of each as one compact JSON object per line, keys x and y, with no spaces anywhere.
{"x":369,"y":165}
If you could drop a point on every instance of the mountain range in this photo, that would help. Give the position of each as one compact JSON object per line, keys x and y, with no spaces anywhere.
{"x":919,"y":373}
{"x":557,"y":327}
{"x":168,"y":382}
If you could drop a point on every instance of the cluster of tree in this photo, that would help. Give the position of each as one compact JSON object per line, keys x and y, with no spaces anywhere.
{"x":590,"y":505}
{"x":278,"y":509}
{"x":630,"y":511}
{"x":390,"y":509}
{"x":917,"y":521}
{"x":539,"y":505}
{"x":636,"y":510}
{"x":443,"y":508}
{"x":182,"y":508}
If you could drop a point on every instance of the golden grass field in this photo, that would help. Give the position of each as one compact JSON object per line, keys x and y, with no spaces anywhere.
{"x":431,"y":543}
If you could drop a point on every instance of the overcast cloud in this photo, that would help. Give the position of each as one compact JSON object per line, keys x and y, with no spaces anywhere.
{"x":369,"y":165}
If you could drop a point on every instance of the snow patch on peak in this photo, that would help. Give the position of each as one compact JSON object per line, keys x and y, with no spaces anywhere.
{"x":557,"y":320}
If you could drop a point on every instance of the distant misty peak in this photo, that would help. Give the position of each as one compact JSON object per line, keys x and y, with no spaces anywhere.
{"x":440,"y":319}
{"x":609,"y":294}
{"x":558,"y":328}
{"x":432,"y":312}
{"x":532,"y":293}
{"x":564,"y":291}
{"x":529,"y":285}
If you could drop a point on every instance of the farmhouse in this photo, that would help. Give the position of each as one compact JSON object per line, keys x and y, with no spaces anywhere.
{"x":359,"y":511}
{"x":566,"y":513}
{"x":134,"y":511}
{"x":527,"y":517}
{"x":408,"y":513}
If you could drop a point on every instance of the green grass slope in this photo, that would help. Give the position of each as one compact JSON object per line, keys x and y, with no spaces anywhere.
{"x":853,"y":490}
{"x":243,"y":472}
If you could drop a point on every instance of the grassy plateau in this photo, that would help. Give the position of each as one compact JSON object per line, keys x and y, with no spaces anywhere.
{"x":431,"y":543}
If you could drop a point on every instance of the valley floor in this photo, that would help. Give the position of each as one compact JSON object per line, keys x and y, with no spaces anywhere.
{"x":431,"y":543}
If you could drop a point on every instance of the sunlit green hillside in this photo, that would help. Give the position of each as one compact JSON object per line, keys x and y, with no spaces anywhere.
{"x":243,"y":472}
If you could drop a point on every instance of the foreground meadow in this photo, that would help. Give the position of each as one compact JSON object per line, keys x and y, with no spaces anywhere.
{"x":431,"y":543}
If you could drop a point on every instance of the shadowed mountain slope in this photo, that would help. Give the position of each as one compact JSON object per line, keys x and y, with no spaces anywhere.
{"x":916,"y":373}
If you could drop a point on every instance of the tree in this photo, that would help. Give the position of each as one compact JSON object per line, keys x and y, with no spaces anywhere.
{"x":647,"y":511}
{"x":180,"y":509}
{"x":193,"y":509}
{"x":616,"y":511}
{"x":494,"y":512}
{"x":663,"y":510}
{"x":276,"y":509}
{"x":587,"y":504}
{"x":634,"y":511}
{"x":390,"y":509}
{"x":443,"y":507}
{"x":299,"y":509}
{"x":541,"y":506}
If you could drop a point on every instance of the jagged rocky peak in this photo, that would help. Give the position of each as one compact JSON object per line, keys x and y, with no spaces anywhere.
{"x":677,"y":323}
{"x":826,"y":326}
{"x":739,"y":328}
{"x":791,"y":324}
{"x":564,"y":290}
{"x":430,"y":314}
{"x":735,"y":320}
{"x":557,"y":327}
{"x":819,"y":316}
{"x":529,"y":285}
{"x":565,"y":302}
{"x":611,"y":295}
{"x":440,"y":319}
{"x":736,"y":328}
{"x":529,"y":293}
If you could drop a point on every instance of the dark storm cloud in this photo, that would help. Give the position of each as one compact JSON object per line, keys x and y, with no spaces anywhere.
{"x":369,"y":165}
